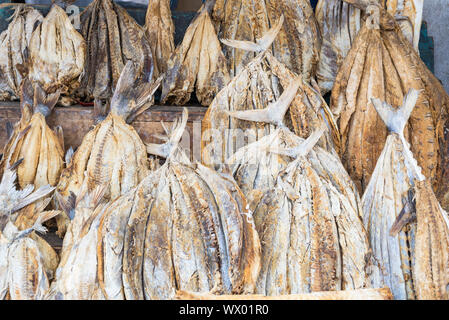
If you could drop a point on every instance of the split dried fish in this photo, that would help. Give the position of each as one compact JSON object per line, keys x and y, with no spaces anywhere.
{"x":112,"y":152}
{"x":309,"y":224}
{"x":183,"y":227}
{"x":259,"y":84}
{"x":13,"y":45}
{"x":27,"y":262}
{"x":408,"y":230}
{"x":198,"y":64}
{"x":382,"y":64}
{"x":57,"y":53}
{"x":160,"y":31}
{"x":298,"y":43}
{"x":113,"y":37}
{"x":408,"y":13}
{"x":40,"y":147}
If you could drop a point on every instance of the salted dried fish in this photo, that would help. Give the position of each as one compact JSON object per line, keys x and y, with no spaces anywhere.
{"x":297,"y":45}
{"x":408,"y":13}
{"x":57,"y":53}
{"x":112,"y":152}
{"x":34,"y":142}
{"x":259,"y":84}
{"x":27,"y":262}
{"x":13,"y":46}
{"x":406,"y":248}
{"x":113,"y":37}
{"x":383,"y":64}
{"x":198,"y":64}
{"x":160,"y":31}
{"x":309,"y":223}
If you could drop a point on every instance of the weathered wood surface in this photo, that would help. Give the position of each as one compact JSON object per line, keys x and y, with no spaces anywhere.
{"x":361,"y":294}
{"x":76,"y":121}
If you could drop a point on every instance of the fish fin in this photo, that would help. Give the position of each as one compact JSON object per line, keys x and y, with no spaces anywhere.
{"x":26,"y":95}
{"x":68,"y":206}
{"x":261,"y":44}
{"x":396,"y":119}
{"x":142,"y":102}
{"x":407,"y":214}
{"x":304,"y":148}
{"x":44,"y":102}
{"x":275,"y":112}
{"x":124,"y":89}
{"x":97,"y":195}
{"x":100,"y":109}
{"x":178,"y":131}
{"x":47,"y":215}
{"x":36,"y":195}
{"x":15,"y":164}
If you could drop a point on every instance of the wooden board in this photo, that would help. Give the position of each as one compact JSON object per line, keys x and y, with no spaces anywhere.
{"x":76,"y":121}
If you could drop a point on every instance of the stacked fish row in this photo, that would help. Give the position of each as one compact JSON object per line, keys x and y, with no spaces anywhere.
{"x":280,"y":216}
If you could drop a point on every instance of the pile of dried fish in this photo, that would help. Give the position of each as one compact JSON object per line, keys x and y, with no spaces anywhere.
{"x":57,"y":53}
{"x":408,"y":230}
{"x":307,"y":212}
{"x":160,"y":29}
{"x":259,"y":84}
{"x":297,"y":46}
{"x":408,"y":13}
{"x":13,"y":45}
{"x":112,"y":152}
{"x":27,"y":262}
{"x":383,"y":64}
{"x":41,"y":149}
{"x":113,"y":37}
{"x":197,"y":64}
{"x":184,"y":227}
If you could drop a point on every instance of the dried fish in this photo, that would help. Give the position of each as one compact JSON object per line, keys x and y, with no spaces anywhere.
{"x":34,"y":142}
{"x":409,"y":237}
{"x":27,"y":262}
{"x":298,"y":43}
{"x":309,"y":223}
{"x":198,"y":64}
{"x":408,"y":13}
{"x":259,"y":84}
{"x":112,"y":152}
{"x":160,"y":31}
{"x":13,"y":46}
{"x":57,"y":53}
{"x":113,"y":37}
{"x":382,"y":64}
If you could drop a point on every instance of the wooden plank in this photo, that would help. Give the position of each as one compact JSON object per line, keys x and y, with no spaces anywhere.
{"x":361,"y":294}
{"x":76,"y":121}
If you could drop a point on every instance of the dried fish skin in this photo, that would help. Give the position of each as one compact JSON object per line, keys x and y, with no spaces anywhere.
{"x":313,"y":245}
{"x":259,"y":84}
{"x":383,"y":64}
{"x":408,"y":13}
{"x":339,"y":23}
{"x":160,"y":31}
{"x":431,"y":263}
{"x":113,"y":37}
{"x":13,"y":44}
{"x":197,"y":64}
{"x":297,"y":45}
{"x":57,"y":53}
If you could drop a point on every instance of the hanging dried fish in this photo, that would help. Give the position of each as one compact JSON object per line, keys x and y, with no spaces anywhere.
{"x":413,"y":254}
{"x":259,"y":84}
{"x":408,"y":13}
{"x":183,"y":227}
{"x":113,"y":37}
{"x":57,"y":53}
{"x":112,"y":152}
{"x":160,"y":30}
{"x":40,"y":147}
{"x":339,"y":24}
{"x":298,"y":43}
{"x":197,"y":64}
{"x":27,"y":262}
{"x":381,"y":64}
{"x":13,"y":45}
{"x":309,"y":222}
